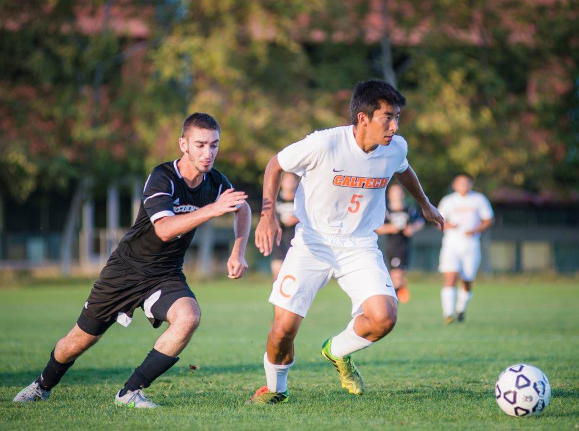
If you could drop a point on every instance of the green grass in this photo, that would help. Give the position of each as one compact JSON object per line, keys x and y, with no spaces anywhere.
{"x":422,"y":376}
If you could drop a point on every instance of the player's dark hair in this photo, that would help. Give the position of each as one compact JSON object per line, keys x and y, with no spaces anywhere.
{"x":201,"y":121}
{"x":367,"y":96}
{"x":463,"y":174}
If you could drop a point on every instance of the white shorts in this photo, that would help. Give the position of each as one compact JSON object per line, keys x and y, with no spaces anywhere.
{"x":461,"y":258}
{"x":361,"y":273}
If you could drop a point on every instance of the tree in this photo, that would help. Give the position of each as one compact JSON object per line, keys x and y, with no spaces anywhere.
{"x":66,"y":106}
{"x":241,"y":62}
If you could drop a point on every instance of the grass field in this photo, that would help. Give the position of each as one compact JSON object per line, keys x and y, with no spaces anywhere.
{"x":423,"y":376}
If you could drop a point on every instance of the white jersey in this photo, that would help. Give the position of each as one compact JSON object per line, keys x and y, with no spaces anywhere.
{"x":465,"y":211}
{"x":341,"y":198}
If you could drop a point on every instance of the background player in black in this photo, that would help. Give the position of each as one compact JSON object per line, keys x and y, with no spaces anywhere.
{"x":146,"y":268}
{"x":401,"y":223}
{"x":285,"y":212}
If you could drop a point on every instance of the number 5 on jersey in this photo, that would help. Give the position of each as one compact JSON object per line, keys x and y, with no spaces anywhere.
{"x":355,"y":203}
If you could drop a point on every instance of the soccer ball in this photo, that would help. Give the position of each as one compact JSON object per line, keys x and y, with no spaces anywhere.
{"x":522,"y":390}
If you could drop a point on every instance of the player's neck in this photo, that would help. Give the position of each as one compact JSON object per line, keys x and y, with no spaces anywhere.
{"x":360,"y":137}
{"x":189,"y":173}
{"x":286,"y":194}
{"x":396,"y":206}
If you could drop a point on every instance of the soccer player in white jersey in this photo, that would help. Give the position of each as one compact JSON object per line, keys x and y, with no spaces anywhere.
{"x":466,"y":215}
{"x":339,"y":202}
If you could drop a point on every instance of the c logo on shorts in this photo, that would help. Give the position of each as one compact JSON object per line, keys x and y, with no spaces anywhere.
{"x":287,"y":277}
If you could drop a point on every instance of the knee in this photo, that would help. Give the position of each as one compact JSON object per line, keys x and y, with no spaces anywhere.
{"x":384,"y":323}
{"x":71,"y":347}
{"x":188,"y":323}
{"x":280,"y":335}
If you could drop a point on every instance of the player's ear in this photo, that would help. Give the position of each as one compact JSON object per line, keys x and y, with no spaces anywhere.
{"x":362,"y":119}
{"x":183,"y":145}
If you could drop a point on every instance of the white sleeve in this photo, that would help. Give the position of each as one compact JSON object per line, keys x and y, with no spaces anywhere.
{"x":443,"y":207}
{"x":403,"y":166}
{"x":301,"y":156}
{"x":485,"y":209}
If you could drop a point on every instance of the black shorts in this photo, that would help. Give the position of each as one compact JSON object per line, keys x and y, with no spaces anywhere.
{"x":279,"y":252}
{"x":397,"y":257}
{"x":120,"y":290}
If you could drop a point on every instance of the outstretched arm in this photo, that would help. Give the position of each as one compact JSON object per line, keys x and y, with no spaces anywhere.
{"x":482,"y":227}
{"x":168,"y":228}
{"x":410,"y":182}
{"x":236,"y":265}
{"x":268,"y":229}
{"x":387,"y":229}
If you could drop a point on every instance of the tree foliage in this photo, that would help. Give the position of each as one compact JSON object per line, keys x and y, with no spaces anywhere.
{"x":492,"y":86}
{"x":241,"y":62}
{"x":65,"y":106}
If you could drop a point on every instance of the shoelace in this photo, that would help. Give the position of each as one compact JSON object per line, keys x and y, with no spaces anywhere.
{"x":142,"y":395}
{"x":349,"y":365}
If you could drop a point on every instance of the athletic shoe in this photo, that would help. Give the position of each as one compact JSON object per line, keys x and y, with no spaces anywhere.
{"x":403,"y":295}
{"x":448,"y":320}
{"x":32,"y":392}
{"x":264,"y":396}
{"x":460,"y":317}
{"x":135,"y":399}
{"x":349,"y":374}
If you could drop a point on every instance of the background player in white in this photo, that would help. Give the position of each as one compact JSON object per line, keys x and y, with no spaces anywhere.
{"x":340,"y":202}
{"x":466,"y":215}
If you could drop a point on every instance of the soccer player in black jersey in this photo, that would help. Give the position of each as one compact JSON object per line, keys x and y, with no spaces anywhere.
{"x":146,"y":269}
{"x":400,"y":224}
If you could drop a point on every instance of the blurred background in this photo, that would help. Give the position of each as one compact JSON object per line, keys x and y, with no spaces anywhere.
{"x":93,"y":94}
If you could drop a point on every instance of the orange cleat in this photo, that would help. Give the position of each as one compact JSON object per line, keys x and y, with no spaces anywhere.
{"x":403,"y":294}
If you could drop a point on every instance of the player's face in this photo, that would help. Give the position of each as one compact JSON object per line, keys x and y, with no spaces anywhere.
{"x":395,"y":193}
{"x":384,"y":124}
{"x":200,"y":146}
{"x":289,"y":182}
{"x":462,"y":185}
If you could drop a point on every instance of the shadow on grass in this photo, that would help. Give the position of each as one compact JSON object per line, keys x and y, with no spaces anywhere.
{"x":85,"y":375}
{"x":91,"y":376}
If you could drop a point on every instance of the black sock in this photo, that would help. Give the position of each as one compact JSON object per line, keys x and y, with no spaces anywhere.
{"x":52,"y":373}
{"x":154,"y":365}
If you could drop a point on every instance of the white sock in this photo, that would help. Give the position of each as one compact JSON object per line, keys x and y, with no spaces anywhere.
{"x":348,"y":342}
{"x":276,"y":375}
{"x":464,"y":297}
{"x":448,"y":297}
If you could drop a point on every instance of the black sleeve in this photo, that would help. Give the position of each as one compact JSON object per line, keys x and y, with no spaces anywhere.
{"x":158,"y":195}
{"x":414,"y":214}
{"x":225,"y":182}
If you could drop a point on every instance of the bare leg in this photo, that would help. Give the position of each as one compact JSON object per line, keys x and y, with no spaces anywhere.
{"x":450,"y":279}
{"x":73,"y":344}
{"x":398,"y":278}
{"x":464,"y":297}
{"x":280,"y":342}
{"x":378,"y":318}
{"x":467,"y":285}
{"x":183,"y":317}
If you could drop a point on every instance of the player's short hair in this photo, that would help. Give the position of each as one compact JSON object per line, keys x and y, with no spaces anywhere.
{"x":201,"y":121}
{"x":463,"y":174}
{"x":367,"y":96}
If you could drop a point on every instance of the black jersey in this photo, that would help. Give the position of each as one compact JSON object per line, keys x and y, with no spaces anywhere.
{"x":400,"y":219}
{"x":166,"y":194}
{"x":284,"y":209}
